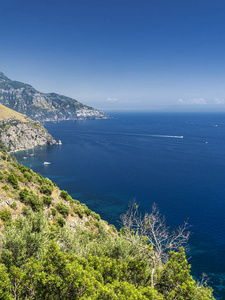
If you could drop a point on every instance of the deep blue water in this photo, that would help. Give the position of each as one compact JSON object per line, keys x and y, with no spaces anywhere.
{"x":106,"y":163}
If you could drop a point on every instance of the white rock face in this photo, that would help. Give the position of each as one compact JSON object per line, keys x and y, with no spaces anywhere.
{"x":16,"y":135}
{"x":90,"y":113}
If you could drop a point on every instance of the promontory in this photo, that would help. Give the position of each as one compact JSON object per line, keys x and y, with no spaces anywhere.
{"x":19,"y":132}
{"x":42,"y":107}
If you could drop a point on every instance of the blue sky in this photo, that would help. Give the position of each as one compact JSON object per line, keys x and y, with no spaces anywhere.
{"x":118,"y":54}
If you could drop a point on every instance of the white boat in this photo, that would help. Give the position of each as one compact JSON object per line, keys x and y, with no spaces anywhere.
{"x":46,"y":163}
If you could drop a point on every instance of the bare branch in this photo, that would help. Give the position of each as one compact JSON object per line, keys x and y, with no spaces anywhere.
{"x":151,"y":235}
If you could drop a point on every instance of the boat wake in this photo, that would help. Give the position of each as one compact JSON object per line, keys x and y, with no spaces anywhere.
{"x":140,"y":134}
{"x":168,"y":136}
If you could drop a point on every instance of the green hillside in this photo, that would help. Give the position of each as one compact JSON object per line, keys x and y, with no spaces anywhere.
{"x":54,"y":247}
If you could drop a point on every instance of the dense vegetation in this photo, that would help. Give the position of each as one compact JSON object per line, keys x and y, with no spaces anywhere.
{"x":54,"y":247}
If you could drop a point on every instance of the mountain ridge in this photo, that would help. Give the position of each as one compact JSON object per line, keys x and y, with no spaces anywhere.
{"x":43,"y":107}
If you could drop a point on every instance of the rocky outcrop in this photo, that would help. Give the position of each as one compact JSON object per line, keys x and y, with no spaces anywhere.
{"x":42,"y":107}
{"x":17,"y":135}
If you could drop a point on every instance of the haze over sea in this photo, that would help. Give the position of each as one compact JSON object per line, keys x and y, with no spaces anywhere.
{"x":174,"y":159}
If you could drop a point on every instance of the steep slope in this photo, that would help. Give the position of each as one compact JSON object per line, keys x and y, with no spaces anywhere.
{"x":30,"y":191}
{"x":18,"y":132}
{"x":54,"y":247}
{"x":7,"y":113}
{"x":41,"y":106}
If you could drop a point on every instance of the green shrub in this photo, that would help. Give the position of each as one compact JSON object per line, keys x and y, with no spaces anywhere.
{"x":5,"y":215}
{"x":113,"y":228}
{"x":31,"y":199}
{"x":47,"y":200}
{"x":21,"y":179}
{"x":39,"y":178}
{"x":62,"y":209}
{"x":48,"y":182}
{"x":22,"y":168}
{"x":4,"y":156}
{"x":98,"y":224}
{"x":79,"y":210}
{"x":1,"y":175}
{"x":87,"y":211}
{"x":12,"y":178}
{"x":13,"y":164}
{"x":46,"y":189}
{"x":34,"y":202}
{"x":23,"y":194}
{"x":28,"y":176}
{"x":5,"y":285}
{"x":5,"y":188}
{"x":61,"y":222}
{"x":70,"y":199}
{"x":64,"y":194}
{"x":26,"y":211}
{"x":14,"y":160}
{"x":53,"y":210}
{"x":32,"y":172}
{"x":2,"y":147}
{"x":13,"y":205}
{"x":97,"y":217}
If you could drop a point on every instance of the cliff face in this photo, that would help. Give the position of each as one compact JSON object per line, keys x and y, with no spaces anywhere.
{"x":18,"y":132}
{"x":16,"y":135}
{"x":39,"y":106}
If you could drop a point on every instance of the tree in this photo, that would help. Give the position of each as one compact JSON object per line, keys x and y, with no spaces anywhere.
{"x":26,"y":238}
{"x":176,"y":282}
{"x":5,"y":286}
{"x":151,"y":236}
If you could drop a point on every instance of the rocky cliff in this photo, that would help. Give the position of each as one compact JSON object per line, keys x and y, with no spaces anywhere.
{"x":18,"y":132}
{"x":42,"y":107}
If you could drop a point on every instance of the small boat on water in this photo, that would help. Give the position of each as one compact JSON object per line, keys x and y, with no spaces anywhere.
{"x":46,"y":163}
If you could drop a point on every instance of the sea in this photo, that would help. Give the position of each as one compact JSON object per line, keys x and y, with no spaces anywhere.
{"x":176,"y":160}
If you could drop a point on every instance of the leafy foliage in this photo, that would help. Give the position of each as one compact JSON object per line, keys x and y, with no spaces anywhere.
{"x":5,"y":215}
{"x":45,"y":255}
{"x":61,"y":221}
{"x":12,"y":178}
{"x":178,"y":282}
{"x":5,"y":285}
{"x":64,"y":194}
{"x":47,"y":200}
{"x":85,"y":266}
{"x":24,"y":239}
{"x":30,"y":198}
{"x":62,"y":209}
{"x":28,"y":176}
{"x":46,"y":189}
{"x":23,"y":194}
